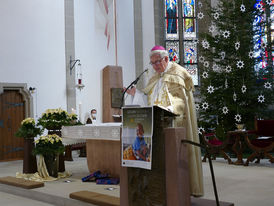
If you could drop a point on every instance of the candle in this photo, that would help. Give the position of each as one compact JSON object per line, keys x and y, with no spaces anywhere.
{"x":79,"y":81}
{"x":72,"y":111}
{"x":80,"y":111}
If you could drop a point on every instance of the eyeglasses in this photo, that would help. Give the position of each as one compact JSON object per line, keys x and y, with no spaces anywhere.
{"x":156,"y":62}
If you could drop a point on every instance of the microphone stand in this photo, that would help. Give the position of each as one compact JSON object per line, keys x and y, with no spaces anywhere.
{"x":131,"y":85}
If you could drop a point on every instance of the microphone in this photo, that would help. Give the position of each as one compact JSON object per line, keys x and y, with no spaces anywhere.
{"x":137,"y":79}
{"x":132,"y":84}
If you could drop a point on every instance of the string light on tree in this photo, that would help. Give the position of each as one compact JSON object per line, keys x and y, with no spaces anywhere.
{"x":240,"y":64}
{"x":238,"y":118}
{"x":226,"y":34}
{"x":267,"y":85}
{"x":206,"y":64}
{"x":243,"y":89}
{"x":242,"y":8}
{"x":200,"y":15}
{"x":261,"y":98}
{"x":210,"y":89}
{"x":225,"y":110}
{"x":237,"y":45}
{"x":216,"y":15}
{"x":201,"y":59}
{"x":205,"y":44}
{"x":205,"y":75}
{"x":251,"y":54}
{"x":228,"y":69}
{"x":205,"y":105}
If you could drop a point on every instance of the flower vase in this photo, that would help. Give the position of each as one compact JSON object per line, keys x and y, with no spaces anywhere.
{"x":29,"y":162}
{"x":61,"y":156}
{"x":52,"y":163}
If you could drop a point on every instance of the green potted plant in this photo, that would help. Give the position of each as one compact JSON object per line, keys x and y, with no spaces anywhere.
{"x":50,"y":147}
{"x":28,"y":130}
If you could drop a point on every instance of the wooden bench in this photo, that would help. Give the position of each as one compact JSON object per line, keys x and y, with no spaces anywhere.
{"x":77,"y":146}
{"x":107,"y":200}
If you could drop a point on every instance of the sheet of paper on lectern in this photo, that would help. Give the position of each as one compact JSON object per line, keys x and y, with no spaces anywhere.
{"x":137,"y":137}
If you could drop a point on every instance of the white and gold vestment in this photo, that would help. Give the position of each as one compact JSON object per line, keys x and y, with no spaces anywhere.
{"x":173,"y":89}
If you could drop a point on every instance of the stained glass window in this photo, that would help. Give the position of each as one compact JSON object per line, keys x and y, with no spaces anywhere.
{"x":189,"y":36}
{"x":272,"y":29}
{"x":189,"y":28}
{"x":188,"y":8}
{"x":173,"y":49}
{"x":190,"y":52}
{"x":193,"y":71}
{"x":263,"y":43}
{"x":171,"y":19}
{"x":183,"y":26}
{"x":172,"y":29}
{"x":171,"y":9}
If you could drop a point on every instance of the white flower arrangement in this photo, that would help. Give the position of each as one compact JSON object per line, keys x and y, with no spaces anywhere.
{"x":48,"y":145}
{"x":28,"y":121}
{"x":28,"y":129}
{"x":53,"y":119}
{"x":48,"y":138}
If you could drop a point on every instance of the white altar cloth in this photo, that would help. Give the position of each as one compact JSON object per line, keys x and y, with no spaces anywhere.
{"x":102,"y":131}
{"x":102,"y":145}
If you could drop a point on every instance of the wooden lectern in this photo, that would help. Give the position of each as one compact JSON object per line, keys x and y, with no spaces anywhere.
{"x":167,"y":182}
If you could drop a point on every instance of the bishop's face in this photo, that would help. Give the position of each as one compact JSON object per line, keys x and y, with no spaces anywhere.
{"x":159,"y":64}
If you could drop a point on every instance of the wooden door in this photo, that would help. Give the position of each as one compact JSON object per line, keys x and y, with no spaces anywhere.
{"x":12,"y":112}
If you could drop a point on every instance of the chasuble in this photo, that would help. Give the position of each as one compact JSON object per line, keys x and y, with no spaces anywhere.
{"x":173,"y":89}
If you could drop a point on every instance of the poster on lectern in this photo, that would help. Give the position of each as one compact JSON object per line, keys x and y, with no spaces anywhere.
{"x":137,"y":137}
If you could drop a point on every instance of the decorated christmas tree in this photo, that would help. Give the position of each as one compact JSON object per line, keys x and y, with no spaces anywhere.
{"x":236,"y":66}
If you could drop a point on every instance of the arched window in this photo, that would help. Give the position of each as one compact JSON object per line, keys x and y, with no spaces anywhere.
{"x":181,"y":34}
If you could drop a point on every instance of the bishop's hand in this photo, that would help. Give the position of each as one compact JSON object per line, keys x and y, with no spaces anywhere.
{"x":131,"y":91}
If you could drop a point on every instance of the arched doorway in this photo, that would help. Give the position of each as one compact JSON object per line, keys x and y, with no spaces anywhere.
{"x":15,"y":101}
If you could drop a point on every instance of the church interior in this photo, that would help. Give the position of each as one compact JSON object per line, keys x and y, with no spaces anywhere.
{"x":67,"y":71}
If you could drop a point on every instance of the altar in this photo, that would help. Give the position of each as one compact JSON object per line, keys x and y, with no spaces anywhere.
{"x":102,"y":145}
